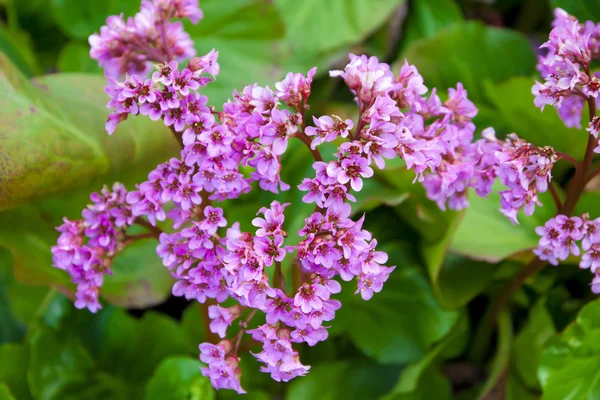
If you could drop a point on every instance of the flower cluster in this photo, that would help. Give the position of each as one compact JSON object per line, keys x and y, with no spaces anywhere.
{"x":131,"y":46}
{"x":86,"y":247}
{"x":561,"y":237}
{"x":568,"y":81}
{"x":227,"y":153}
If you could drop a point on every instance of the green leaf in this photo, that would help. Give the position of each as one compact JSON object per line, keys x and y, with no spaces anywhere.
{"x":320,"y":26}
{"x":486,"y":234}
{"x":584,"y":10}
{"x":530,"y":342}
{"x":54,"y":137}
{"x":514,"y":111}
{"x":426,"y":18}
{"x":5,"y":392}
{"x":412,"y":375}
{"x":432,"y":385}
{"x":569,"y":363}
{"x":179,"y":378}
{"x":399,"y":324}
{"x":245,"y":33}
{"x":75,"y":57}
{"x":354,"y":380}
{"x":13,"y":369}
{"x":471,"y":53}
{"x":588,"y":203}
{"x":79,"y":20}
{"x":499,"y":365}
{"x":16,"y":45}
{"x":106,"y":356}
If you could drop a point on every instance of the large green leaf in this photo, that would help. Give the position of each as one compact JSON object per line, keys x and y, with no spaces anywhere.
{"x":471,"y":53}
{"x":179,"y":378}
{"x":319,"y":26}
{"x":399,"y":324}
{"x":569,"y":363}
{"x":245,"y":33}
{"x":585,"y":10}
{"x":352,"y":380}
{"x":412,"y":375}
{"x":486,"y":234}
{"x":80,"y":19}
{"x":75,"y":57}
{"x":111,"y":355}
{"x":514,"y":111}
{"x":53,"y":136}
{"x":432,"y":384}
{"x":5,"y":393}
{"x":426,"y":18}
{"x":530,"y":341}
{"x":13,"y":369}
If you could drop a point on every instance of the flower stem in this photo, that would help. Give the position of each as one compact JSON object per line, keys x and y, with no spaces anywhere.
{"x":155,"y":230}
{"x":278,"y":278}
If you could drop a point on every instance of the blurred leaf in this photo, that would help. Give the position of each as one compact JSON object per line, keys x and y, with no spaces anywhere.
{"x":399,"y":324}
{"x":5,"y":392}
{"x":515,"y":390}
{"x":471,"y":53}
{"x":569,"y":363}
{"x":105,"y":356}
{"x":75,"y":57}
{"x":486,"y":234}
{"x":499,"y":366}
{"x":426,"y":18}
{"x":11,"y":330}
{"x":80,"y":19}
{"x":351,"y":380}
{"x":53,"y":136}
{"x":139,"y":278}
{"x":530,"y":342}
{"x":412,"y":375}
{"x":588,"y":203}
{"x":13,"y":369}
{"x":515,"y":112}
{"x":319,"y":26}
{"x":432,"y":385}
{"x":16,"y":45}
{"x":245,"y":33}
{"x":179,"y":378}
{"x":584,"y":10}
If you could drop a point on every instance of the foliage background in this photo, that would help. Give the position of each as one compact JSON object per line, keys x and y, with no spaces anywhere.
{"x":417,"y":339}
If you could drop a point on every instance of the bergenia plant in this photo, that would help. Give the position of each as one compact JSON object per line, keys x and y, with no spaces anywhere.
{"x":230,"y":150}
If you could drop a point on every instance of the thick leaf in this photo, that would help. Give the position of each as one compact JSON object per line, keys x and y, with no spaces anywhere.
{"x":584,"y":10}
{"x":75,"y":57}
{"x":5,"y":393}
{"x":319,"y":26}
{"x":81,"y":19}
{"x":412,"y":375}
{"x":13,"y":369}
{"x":399,"y":324}
{"x":179,"y":378}
{"x":486,"y":234}
{"x":343,"y":380}
{"x":514,"y":111}
{"x":432,"y":385}
{"x":53,"y":138}
{"x":106,"y":356}
{"x":530,"y":342}
{"x":569,"y":363}
{"x":471,"y":53}
{"x":499,"y":366}
{"x":426,"y":18}
{"x":245,"y":33}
